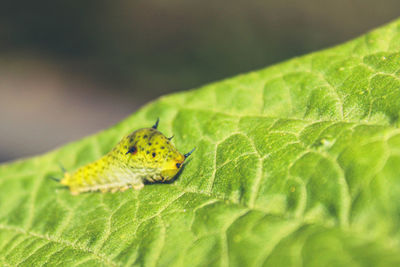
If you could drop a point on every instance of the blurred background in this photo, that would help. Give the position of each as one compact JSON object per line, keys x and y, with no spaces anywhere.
{"x":69,"y":69}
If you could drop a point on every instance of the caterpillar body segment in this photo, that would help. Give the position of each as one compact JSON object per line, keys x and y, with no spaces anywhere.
{"x":144,"y":155}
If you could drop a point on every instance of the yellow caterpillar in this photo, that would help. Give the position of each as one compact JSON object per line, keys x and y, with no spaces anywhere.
{"x":144,"y":155}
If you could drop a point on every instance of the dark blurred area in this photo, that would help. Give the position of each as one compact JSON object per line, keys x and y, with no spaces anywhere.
{"x":69,"y":69}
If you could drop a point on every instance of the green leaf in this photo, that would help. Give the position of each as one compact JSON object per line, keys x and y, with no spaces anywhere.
{"x":296,"y":164}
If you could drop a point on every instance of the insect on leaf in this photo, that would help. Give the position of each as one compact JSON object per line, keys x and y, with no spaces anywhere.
{"x":295,"y":165}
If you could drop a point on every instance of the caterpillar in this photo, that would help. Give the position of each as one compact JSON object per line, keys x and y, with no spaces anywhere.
{"x":145,"y":155}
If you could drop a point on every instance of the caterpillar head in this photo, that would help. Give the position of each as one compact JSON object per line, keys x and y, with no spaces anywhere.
{"x":148,"y":148}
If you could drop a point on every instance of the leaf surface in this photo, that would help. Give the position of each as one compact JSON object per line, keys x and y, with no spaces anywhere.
{"x":296,"y":165}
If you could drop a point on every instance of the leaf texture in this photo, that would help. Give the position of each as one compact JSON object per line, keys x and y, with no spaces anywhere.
{"x":297,"y":164}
